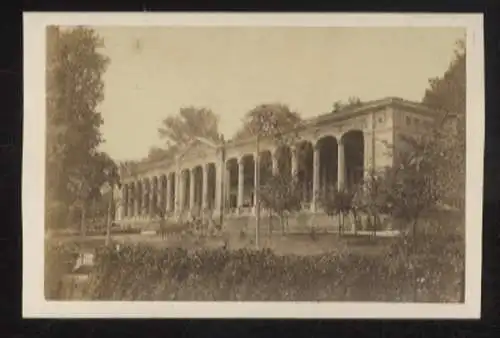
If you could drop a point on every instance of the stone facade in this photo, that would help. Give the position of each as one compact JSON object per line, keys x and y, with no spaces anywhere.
{"x":210,"y":179}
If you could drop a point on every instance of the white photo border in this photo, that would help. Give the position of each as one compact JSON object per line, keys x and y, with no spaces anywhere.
{"x":33,"y":176}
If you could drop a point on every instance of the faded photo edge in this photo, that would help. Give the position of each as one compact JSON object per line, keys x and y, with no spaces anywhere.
{"x":33,"y":182}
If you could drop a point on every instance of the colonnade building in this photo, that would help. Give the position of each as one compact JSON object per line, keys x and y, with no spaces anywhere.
{"x":210,"y":179}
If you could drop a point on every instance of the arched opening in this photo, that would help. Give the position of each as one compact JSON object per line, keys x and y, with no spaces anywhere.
{"x":284,"y":158}
{"x":248,"y":180}
{"x":198,"y":188}
{"x":328,"y":155}
{"x":138,"y":199}
{"x":172,"y":178}
{"x":266,"y":165}
{"x":131,"y":198}
{"x":232,"y":184}
{"x":211,"y":185}
{"x":354,"y":157}
{"x":305,"y":171}
{"x":153,"y":208}
{"x":163,"y":192}
{"x":125,"y":199}
{"x":186,"y":179}
{"x":128,"y":199}
{"x":146,"y":197}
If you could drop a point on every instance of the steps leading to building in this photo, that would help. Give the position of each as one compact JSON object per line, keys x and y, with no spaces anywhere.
{"x":303,"y":222}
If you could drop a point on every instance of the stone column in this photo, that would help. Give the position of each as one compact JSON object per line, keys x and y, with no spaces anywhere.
{"x":227,"y":186}
{"x":316,"y":173}
{"x":341,"y":165}
{"x":131,"y":199}
{"x":128,"y":201}
{"x":204,"y":190}
{"x":294,"y":160}
{"x":368,"y":164}
{"x":145,"y":197}
{"x":124,"y":200}
{"x":162,"y":203}
{"x":191,"y":189}
{"x":256,"y":172}
{"x":117,"y":202}
{"x":274,"y":157}
{"x":137,"y":207}
{"x":179,"y":198}
{"x":168,"y":193}
{"x":218,"y":185}
{"x":149,"y":196}
{"x":241,"y":173}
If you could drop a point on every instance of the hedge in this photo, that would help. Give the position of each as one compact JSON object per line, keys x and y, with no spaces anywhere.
{"x":60,"y":258}
{"x":144,"y":273}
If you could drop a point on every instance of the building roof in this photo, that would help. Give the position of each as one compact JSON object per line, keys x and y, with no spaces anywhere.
{"x":343,"y":114}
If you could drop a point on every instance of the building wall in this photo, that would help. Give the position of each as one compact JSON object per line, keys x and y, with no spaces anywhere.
{"x":380,"y":122}
{"x":410,"y":123}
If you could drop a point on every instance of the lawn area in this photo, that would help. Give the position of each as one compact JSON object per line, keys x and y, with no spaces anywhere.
{"x":289,"y":244}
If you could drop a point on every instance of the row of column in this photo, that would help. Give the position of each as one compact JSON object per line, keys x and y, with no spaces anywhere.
{"x":152,"y":197}
{"x":182,"y":183}
{"x":173,"y":199}
{"x":341,"y":170}
{"x":148,"y":197}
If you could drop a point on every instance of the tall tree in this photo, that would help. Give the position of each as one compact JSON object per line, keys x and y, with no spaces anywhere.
{"x":352,"y":101}
{"x":271,"y":120}
{"x":160,"y":154}
{"x":102,"y":170}
{"x":268,"y":119}
{"x":74,"y":89}
{"x":448,"y":94}
{"x":191,"y":122}
{"x":281,"y":196}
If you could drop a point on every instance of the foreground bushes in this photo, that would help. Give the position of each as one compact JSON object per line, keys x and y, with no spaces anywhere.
{"x":60,"y":258}
{"x":433,"y":273}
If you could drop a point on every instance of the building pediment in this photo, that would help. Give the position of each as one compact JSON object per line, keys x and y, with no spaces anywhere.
{"x":198,"y":150}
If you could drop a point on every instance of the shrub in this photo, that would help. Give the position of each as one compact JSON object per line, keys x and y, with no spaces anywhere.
{"x":144,"y":273}
{"x":60,"y":258}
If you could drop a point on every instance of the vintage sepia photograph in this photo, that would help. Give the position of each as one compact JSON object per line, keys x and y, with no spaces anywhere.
{"x":197,"y":160}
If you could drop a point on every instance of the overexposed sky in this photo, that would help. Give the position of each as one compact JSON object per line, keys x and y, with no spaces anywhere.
{"x":155,"y":71}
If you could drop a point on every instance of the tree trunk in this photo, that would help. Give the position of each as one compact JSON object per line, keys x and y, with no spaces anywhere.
{"x":339,"y":226}
{"x":413,"y":260}
{"x":270,"y":223}
{"x":83,"y":226}
{"x":355,"y":222}
{"x":94,"y":214}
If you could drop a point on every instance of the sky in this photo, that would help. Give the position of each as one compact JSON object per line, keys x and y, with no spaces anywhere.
{"x":155,"y":71}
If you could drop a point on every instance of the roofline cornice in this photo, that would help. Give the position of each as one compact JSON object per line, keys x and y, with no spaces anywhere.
{"x":344,"y":114}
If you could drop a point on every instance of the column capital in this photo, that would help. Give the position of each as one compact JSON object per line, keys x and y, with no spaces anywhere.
{"x":315,"y":144}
